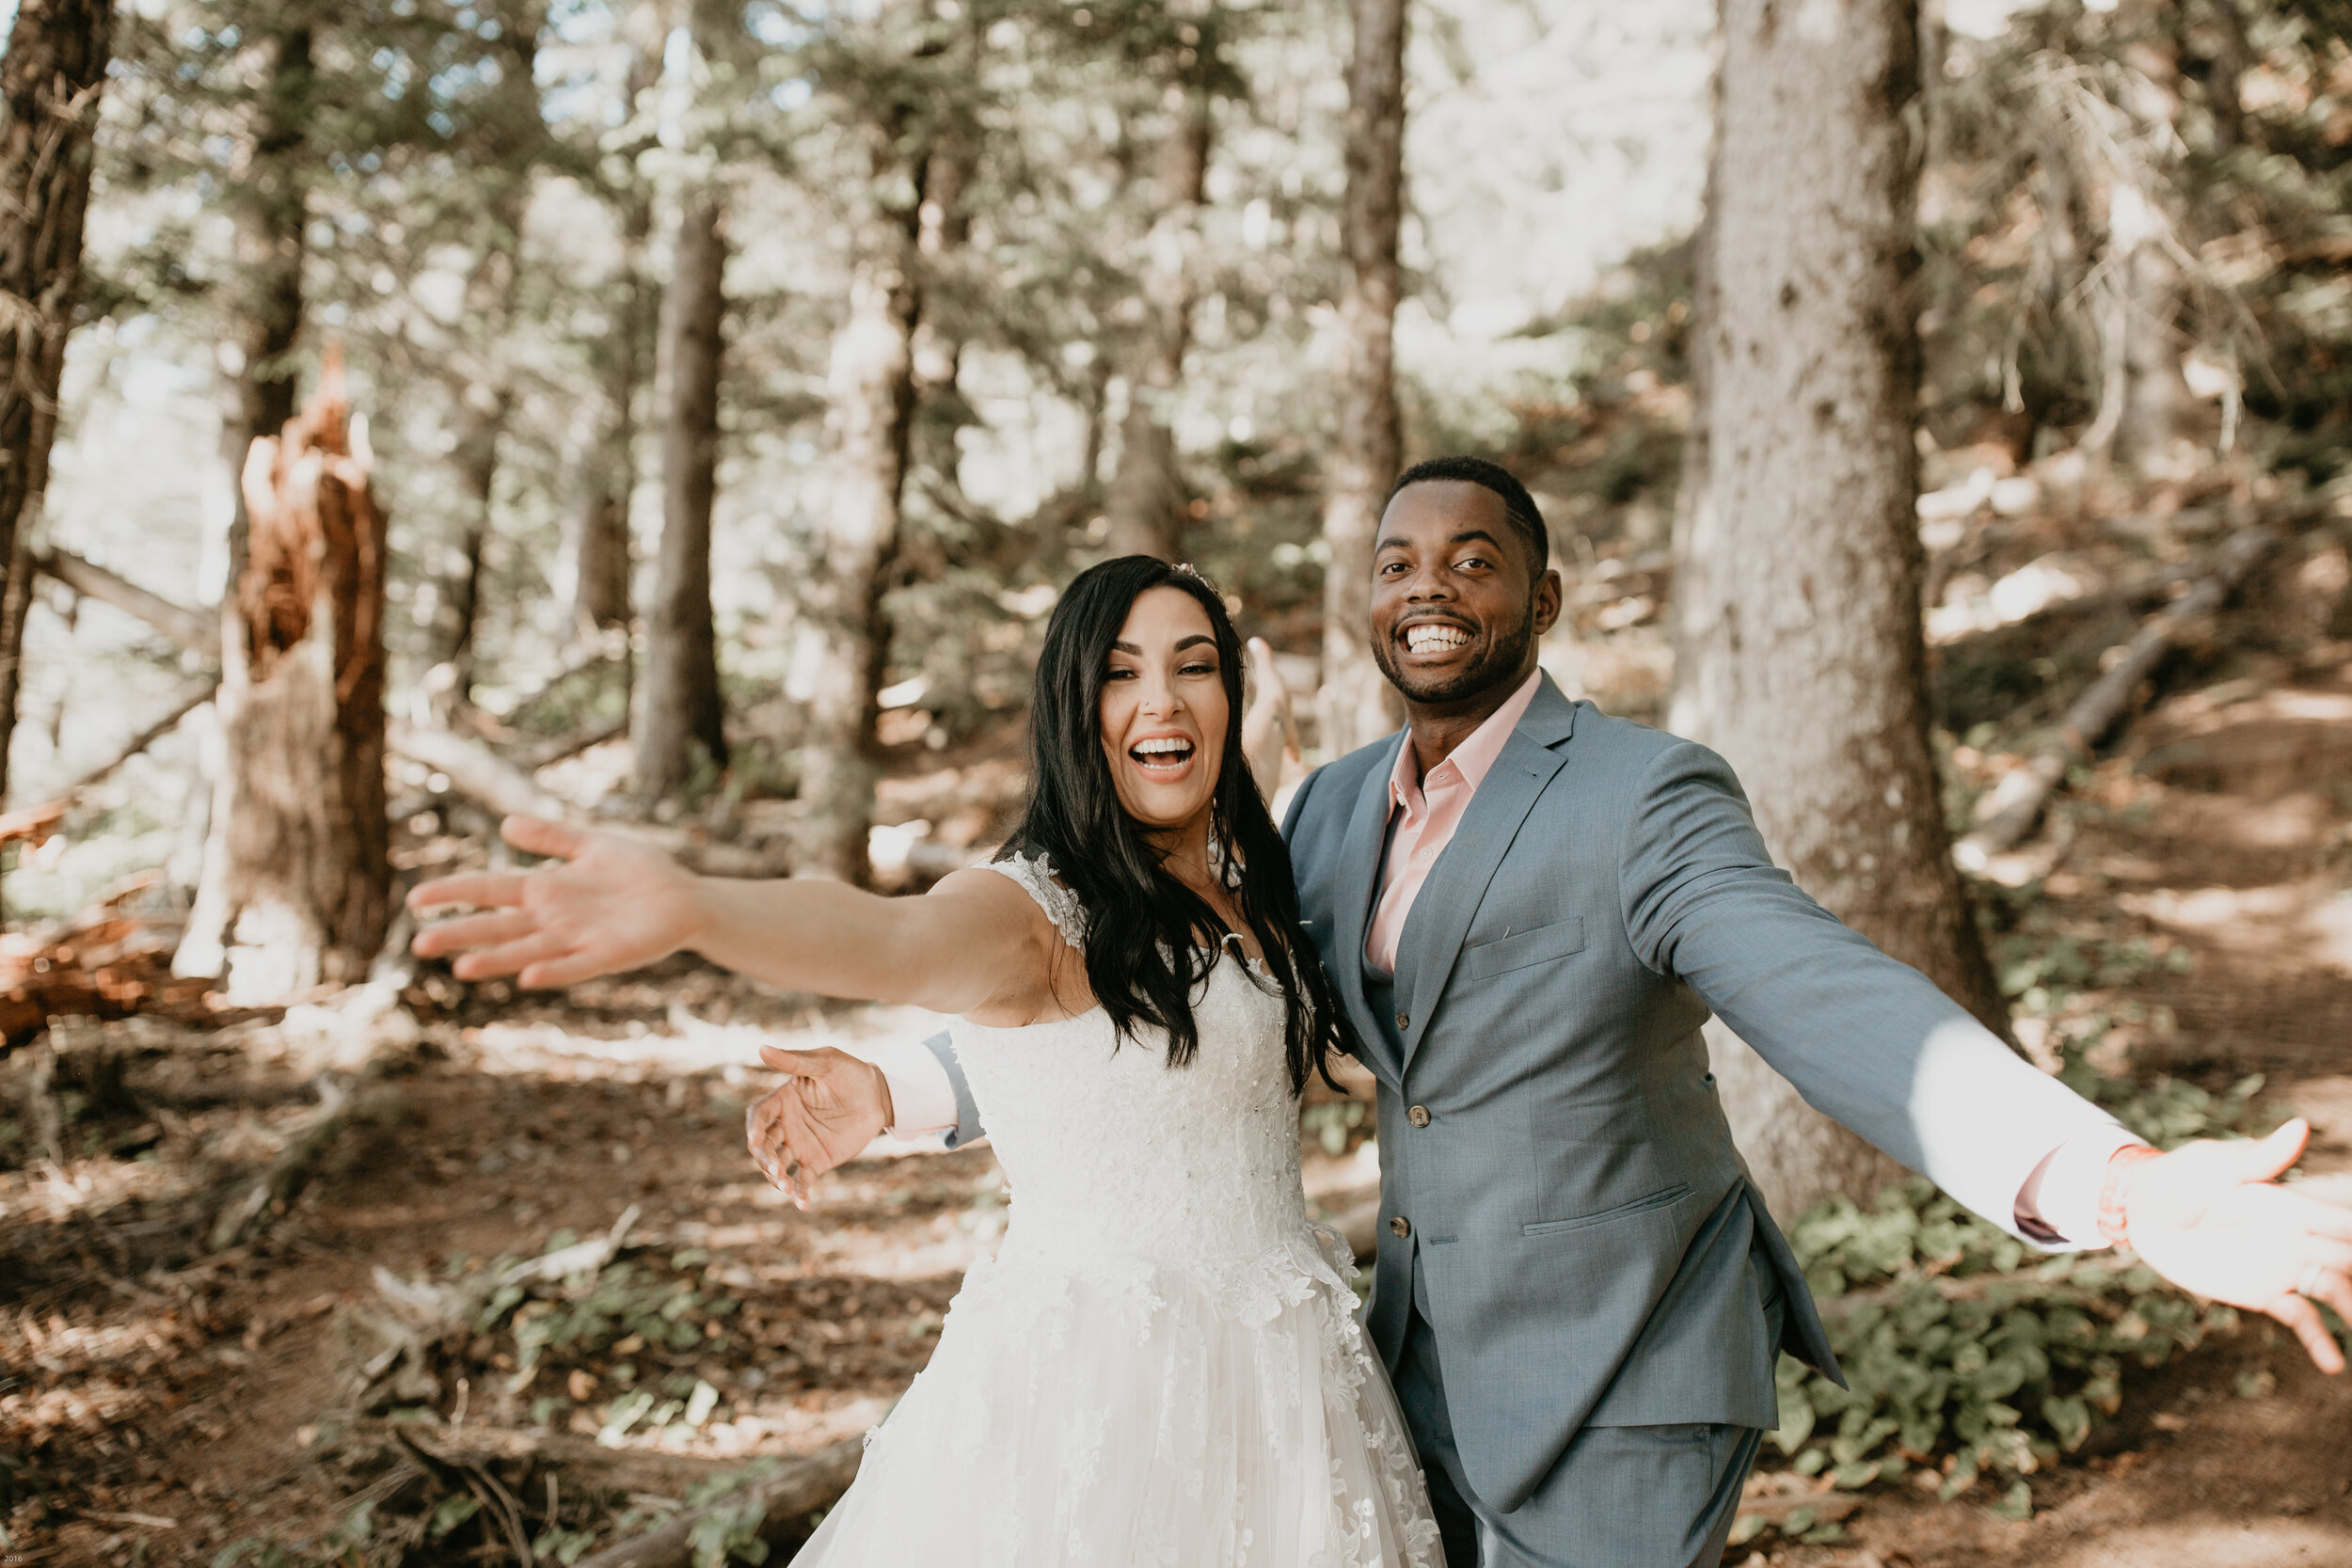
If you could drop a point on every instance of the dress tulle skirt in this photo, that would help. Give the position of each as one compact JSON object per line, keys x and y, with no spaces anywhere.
{"x":1207,"y":1417}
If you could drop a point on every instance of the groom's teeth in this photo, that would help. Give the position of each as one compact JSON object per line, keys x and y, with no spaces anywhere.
{"x":1430,"y":639}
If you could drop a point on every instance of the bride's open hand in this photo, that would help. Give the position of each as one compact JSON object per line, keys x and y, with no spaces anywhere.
{"x":603,"y":905}
{"x":832,"y":1106}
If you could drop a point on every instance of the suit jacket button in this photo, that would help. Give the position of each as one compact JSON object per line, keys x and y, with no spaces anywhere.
{"x":1399,"y":1227}
{"x":1403,"y":1022}
{"x":1418,"y":1115}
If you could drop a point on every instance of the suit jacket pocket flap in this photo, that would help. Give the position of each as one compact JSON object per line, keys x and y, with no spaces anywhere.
{"x":1522,"y":948}
{"x":1672,"y":1196}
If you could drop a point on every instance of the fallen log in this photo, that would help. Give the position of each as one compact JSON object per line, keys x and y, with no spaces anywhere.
{"x":35,"y":826}
{"x":103,"y":964}
{"x":785,"y":1496}
{"x":190,"y":699}
{"x":478,"y":773}
{"x":489,"y":780}
{"x":572,"y":745}
{"x":2009,"y":813}
{"x":192,"y":629}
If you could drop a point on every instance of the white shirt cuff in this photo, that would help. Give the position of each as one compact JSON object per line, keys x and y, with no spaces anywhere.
{"x":921,"y":1098}
{"x":2061,"y":1196}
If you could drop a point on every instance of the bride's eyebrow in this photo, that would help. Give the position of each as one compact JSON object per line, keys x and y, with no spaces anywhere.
{"x":1182,"y":643}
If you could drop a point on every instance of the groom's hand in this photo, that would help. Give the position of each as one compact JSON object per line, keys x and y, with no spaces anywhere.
{"x":831,"y":1107}
{"x":1269,"y":733}
{"x":2212,"y":1218}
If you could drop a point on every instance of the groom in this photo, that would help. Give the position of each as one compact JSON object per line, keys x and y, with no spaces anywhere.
{"x":1529,"y":908}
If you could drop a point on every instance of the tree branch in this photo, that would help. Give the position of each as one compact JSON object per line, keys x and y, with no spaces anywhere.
{"x":192,"y":629}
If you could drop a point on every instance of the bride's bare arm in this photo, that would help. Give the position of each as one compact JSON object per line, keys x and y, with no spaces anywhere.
{"x":976,"y":943}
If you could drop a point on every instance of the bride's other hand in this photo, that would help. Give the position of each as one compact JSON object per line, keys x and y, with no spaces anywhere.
{"x":831,"y":1107}
{"x":1269,"y":731}
{"x":603,"y":905}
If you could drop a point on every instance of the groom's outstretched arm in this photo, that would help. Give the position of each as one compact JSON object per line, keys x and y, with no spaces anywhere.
{"x":1866,"y":1040}
{"x":1873,"y":1044}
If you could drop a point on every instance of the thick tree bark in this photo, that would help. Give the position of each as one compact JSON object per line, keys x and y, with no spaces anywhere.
{"x":1146,"y":499}
{"x":297,"y":879}
{"x":871,"y":390}
{"x":50,"y":81}
{"x":1358,"y":704}
{"x":679,"y":719}
{"x":480,"y":379}
{"x":598,"y":545}
{"x":1797,"y":563}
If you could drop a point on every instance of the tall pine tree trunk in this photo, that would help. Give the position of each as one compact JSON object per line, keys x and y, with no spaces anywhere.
{"x":871,"y":394}
{"x":1358,"y":704}
{"x":598,"y":542}
{"x":50,"y":80}
{"x":1146,"y":497}
{"x":482,"y":381}
{"x":297,"y":877}
{"x":679,"y":721}
{"x":1798,"y":649}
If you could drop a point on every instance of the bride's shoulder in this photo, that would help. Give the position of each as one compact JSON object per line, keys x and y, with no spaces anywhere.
{"x":1042,"y":893}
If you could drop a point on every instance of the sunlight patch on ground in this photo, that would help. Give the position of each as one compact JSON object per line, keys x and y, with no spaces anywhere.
{"x":2273,"y":1543}
{"x":2303,"y":922}
{"x":689,"y":1045}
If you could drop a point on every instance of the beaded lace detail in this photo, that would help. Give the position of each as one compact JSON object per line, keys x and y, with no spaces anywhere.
{"x":1164,"y":1362}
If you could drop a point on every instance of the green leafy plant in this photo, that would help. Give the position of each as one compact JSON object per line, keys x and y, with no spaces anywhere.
{"x":1958,"y":1352}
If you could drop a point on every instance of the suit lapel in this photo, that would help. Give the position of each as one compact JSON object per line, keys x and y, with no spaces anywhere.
{"x":1441,"y":918}
{"x":1351,"y":913}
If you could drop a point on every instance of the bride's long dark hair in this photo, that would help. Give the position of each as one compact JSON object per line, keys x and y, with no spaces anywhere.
{"x":1150,"y":939}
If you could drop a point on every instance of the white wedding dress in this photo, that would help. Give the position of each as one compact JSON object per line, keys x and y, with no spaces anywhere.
{"x":1163,"y":1365}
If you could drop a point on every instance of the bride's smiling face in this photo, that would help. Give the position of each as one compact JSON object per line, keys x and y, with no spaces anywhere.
{"x":1165,"y":710}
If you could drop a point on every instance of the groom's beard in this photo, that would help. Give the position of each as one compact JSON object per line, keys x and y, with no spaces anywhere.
{"x":1501,"y":659}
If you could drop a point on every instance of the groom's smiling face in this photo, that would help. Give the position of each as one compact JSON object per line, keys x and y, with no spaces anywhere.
{"x":1457,"y":598}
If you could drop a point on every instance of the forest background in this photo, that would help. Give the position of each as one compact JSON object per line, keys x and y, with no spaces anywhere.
{"x":680,"y":415}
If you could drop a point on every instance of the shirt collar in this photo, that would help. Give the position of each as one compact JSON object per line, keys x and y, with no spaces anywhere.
{"x":1474,"y":758}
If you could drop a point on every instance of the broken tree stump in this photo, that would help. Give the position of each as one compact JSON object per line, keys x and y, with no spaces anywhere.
{"x":296,"y":888}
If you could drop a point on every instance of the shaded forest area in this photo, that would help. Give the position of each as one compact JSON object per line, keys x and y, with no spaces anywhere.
{"x":679,"y":417}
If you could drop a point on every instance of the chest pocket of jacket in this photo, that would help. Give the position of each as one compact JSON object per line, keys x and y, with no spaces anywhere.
{"x":1522,"y":948}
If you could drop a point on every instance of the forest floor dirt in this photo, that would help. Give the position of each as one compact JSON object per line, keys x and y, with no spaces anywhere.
{"x":157,"y":1404}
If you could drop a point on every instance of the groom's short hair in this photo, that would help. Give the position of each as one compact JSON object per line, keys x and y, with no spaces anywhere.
{"x":1493,"y":477}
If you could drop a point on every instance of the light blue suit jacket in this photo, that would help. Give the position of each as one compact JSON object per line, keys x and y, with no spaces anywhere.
{"x":1579,"y":1226}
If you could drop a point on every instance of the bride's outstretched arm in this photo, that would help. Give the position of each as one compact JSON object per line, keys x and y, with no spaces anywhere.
{"x":607,"y":903}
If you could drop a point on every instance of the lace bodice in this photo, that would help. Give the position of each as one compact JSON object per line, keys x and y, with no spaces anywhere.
{"x":1114,"y":1154}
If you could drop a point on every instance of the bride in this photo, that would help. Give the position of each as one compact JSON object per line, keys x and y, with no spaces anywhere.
{"x":1163,"y":1365}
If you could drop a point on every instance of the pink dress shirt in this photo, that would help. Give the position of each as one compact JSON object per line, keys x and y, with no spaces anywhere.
{"x":1432,"y":808}
{"x":2059,"y":1205}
